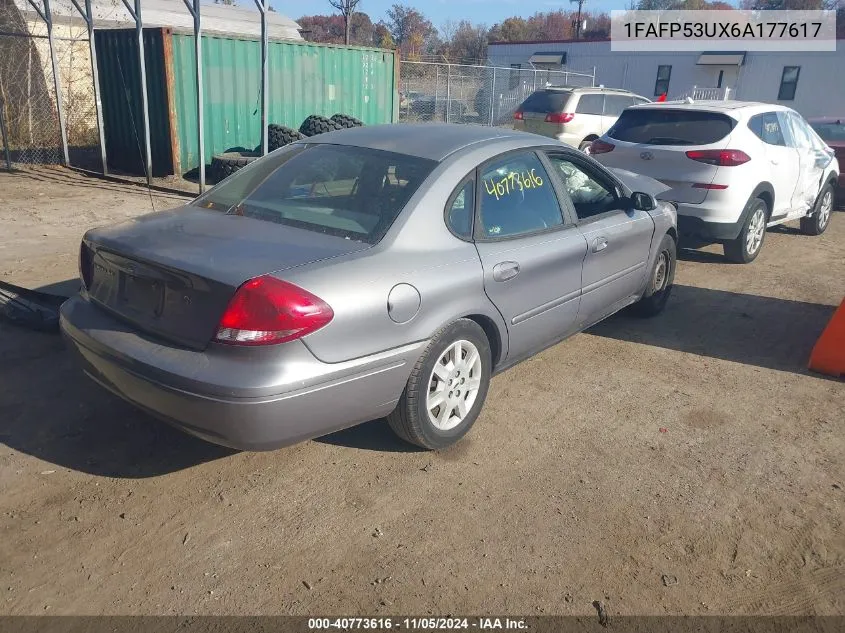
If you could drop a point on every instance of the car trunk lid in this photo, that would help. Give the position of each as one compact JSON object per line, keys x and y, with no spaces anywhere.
{"x":172,"y":274}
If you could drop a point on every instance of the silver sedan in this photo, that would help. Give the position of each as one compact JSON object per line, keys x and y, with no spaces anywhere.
{"x":371,"y":272}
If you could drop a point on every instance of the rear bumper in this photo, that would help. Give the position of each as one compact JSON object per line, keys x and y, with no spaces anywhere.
{"x":692,"y":226}
{"x":249,"y":399}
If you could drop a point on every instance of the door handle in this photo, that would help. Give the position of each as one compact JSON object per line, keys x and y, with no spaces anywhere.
{"x":505,"y":270}
{"x":599,"y":244}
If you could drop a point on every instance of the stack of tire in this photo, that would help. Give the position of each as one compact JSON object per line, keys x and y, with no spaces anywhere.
{"x":224,"y":165}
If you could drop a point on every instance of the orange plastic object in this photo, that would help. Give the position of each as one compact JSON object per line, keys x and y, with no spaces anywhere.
{"x":828,"y":355}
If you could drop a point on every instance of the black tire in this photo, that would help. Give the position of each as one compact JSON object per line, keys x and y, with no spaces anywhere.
{"x":281,"y":135}
{"x":737,"y":250}
{"x":817,"y":223}
{"x":344,"y":120}
{"x":317,"y":124}
{"x":659,"y":284}
{"x":585,"y":144}
{"x":224,"y":165}
{"x":410,"y":420}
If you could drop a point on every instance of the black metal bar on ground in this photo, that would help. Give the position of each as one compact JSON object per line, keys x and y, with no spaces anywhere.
{"x":30,"y":308}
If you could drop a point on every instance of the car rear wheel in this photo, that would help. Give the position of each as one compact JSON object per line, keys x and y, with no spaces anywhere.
{"x":745,"y":248}
{"x":660,"y":280}
{"x":446,"y":389}
{"x":817,"y":223}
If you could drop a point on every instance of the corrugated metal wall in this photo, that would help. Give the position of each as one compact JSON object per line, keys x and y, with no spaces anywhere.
{"x":120,"y":88}
{"x":819,"y":91}
{"x":304,"y":79}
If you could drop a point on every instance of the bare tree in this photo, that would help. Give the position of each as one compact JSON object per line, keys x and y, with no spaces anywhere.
{"x":346,"y":8}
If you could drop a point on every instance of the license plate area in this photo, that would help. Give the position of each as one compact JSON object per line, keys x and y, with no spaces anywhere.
{"x":142,"y":296}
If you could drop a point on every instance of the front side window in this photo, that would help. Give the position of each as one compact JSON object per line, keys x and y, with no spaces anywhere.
{"x":350,"y":192}
{"x":788,"y":83}
{"x":590,"y":195}
{"x":661,"y":85}
{"x":517,"y":197}
{"x":800,"y":134}
{"x":767,"y":128}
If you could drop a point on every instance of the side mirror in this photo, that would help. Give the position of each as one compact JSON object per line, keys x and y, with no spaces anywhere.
{"x":643,"y":201}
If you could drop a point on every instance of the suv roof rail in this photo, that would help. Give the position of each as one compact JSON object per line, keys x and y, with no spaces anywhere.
{"x":568,"y":87}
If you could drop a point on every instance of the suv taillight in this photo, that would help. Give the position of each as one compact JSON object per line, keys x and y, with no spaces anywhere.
{"x":719,"y":157}
{"x":518,"y":115}
{"x":559,"y":117}
{"x":601,"y":147}
{"x":86,"y":265}
{"x":266,"y":310}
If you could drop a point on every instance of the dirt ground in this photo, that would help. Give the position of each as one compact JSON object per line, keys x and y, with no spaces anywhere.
{"x":687,"y":464}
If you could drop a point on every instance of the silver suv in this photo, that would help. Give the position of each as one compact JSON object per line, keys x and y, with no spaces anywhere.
{"x":576,"y":116}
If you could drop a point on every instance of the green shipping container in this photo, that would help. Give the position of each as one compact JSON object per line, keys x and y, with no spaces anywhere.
{"x":304,"y":79}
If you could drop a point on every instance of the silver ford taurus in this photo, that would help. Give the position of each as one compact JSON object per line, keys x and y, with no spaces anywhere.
{"x":378,"y":271}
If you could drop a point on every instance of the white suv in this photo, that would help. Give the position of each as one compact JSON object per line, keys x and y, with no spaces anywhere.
{"x":733,"y":168}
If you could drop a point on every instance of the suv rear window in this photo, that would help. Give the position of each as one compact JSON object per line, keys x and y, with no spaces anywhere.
{"x":545,"y":101}
{"x":350,"y":192}
{"x":659,"y":126}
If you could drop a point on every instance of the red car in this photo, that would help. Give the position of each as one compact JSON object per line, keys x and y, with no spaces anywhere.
{"x":832,"y":131}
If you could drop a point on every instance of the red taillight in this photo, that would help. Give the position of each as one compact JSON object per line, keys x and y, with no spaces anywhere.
{"x":266,"y":310}
{"x":719,"y":157}
{"x":86,"y":265}
{"x":518,"y":115}
{"x":704,"y":185}
{"x":559,"y":117}
{"x":601,"y":147}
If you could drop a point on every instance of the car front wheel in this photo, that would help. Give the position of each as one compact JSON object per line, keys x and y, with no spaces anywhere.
{"x":660,"y":280}
{"x":817,"y":223}
{"x":745,"y":248}
{"x":446,"y":389}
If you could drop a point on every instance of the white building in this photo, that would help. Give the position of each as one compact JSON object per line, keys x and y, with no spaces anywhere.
{"x":812,"y":83}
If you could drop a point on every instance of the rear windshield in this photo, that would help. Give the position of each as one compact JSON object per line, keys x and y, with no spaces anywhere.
{"x":545,"y":101}
{"x":832,"y":131}
{"x":659,"y":126}
{"x":350,"y":192}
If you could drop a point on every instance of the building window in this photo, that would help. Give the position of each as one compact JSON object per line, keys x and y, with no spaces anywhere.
{"x":661,"y":86}
{"x":788,"y":83}
{"x":721,"y":77}
{"x":513,"y":81}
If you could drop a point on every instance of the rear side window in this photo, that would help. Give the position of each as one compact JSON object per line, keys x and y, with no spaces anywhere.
{"x":615,"y":104}
{"x":590,"y":104}
{"x":545,"y":101}
{"x":662,"y":126}
{"x":350,"y":192}
{"x":460,"y":210}
{"x":517,"y":198}
{"x":767,"y":128}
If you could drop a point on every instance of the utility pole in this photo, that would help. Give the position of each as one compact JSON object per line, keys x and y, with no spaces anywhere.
{"x":578,"y":21}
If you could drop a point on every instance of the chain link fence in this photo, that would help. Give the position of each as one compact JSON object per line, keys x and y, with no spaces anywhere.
{"x":28,"y":105}
{"x":485,"y":95}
